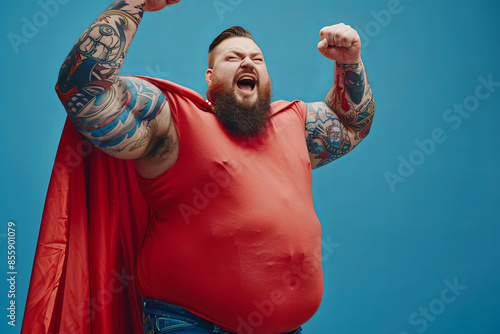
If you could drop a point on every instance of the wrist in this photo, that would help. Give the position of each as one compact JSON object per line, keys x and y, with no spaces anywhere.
{"x":349,"y":64}
{"x":135,"y":3}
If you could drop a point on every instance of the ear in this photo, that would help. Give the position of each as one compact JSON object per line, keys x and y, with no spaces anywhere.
{"x":208,"y":76}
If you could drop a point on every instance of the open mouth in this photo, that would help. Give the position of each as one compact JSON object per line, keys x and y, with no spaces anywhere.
{"x":246,"y":83}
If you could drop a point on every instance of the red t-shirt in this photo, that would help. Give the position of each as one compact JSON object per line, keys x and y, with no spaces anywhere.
{"x":234,"y":236}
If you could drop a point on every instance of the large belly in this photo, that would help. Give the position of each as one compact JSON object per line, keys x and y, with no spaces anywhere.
{"x":250,"y":274}
{"x":239,"y":243}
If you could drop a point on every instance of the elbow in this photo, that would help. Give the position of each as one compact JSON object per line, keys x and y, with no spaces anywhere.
{"x":62,"y":88}
{"x":60,"y":95}
{"x":59,"y":87}
{"x":371,"y":112}
{"x":65,"y":97}
{"x":366,"y":130}
{"x":56,"y":88}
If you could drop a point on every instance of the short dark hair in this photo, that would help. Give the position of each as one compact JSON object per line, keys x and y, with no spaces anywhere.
{"x":235,"y":31}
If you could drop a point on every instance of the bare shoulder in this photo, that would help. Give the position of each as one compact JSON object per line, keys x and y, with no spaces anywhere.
{"x":126,"y":120}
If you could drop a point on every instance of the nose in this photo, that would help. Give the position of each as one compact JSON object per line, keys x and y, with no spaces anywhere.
{"x":247,"y":63}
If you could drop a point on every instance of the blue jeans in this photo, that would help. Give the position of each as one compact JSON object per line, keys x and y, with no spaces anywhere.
{"x":166,"y":318}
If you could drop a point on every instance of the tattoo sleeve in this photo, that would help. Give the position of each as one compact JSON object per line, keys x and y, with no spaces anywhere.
{"x":113,"y":112}
{"x":336,"y":126}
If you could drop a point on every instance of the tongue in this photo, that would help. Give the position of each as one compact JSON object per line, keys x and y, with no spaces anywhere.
{"x":244,"y":87}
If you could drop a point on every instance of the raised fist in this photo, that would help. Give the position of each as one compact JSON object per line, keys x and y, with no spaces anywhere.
{"x":154,"y":5}
{"x":341,"y":43}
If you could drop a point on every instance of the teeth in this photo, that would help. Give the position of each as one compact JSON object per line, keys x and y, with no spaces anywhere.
{"x":247,"y":78}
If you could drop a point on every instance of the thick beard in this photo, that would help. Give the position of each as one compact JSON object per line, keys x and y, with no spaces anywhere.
{"x":242,"y":120}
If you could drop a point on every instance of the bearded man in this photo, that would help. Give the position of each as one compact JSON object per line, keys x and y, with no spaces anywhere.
{"x":233,"y":243}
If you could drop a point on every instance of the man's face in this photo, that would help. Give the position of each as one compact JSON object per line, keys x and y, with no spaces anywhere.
{"x":239,"y":85}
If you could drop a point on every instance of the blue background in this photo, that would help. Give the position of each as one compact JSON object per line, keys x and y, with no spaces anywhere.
{"x":391,"y":247}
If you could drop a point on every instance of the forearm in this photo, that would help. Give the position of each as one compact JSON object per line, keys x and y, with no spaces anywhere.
{"x":93,"y":65}
{"x":351,"y":98}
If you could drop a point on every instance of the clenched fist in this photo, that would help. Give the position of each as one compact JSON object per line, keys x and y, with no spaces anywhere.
{"x":341,"y":43}
{"x":154,"y":5}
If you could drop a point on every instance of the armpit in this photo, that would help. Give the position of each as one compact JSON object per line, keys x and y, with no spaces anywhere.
{"x":161,"y":147}
{"x":161,"y":152}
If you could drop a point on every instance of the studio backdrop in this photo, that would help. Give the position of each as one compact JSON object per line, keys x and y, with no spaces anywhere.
{"x":410,"y":218}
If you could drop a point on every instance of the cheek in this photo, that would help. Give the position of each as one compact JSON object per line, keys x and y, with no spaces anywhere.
{"x":217,"y":85}
{"x":225,"y":70}
{"x":265,"y":84}
{"x":264,"y":76}
{"x":267,"y":89}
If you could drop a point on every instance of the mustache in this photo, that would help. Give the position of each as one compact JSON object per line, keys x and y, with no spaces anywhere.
{"x":218,"y":86}
{"x":244,"y":71}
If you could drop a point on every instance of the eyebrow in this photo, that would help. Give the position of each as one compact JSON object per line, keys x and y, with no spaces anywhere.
{"x":240,"y":53}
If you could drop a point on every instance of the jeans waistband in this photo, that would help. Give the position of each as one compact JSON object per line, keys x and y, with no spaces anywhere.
{"x":162,"y":309}
{"x":176,"y":312}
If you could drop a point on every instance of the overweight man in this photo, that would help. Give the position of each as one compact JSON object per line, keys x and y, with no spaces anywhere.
{"x":233,"y":244}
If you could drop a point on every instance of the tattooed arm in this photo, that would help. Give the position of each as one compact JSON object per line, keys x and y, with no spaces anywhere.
{"x":336,"y":126}
{"x":120,"y":115}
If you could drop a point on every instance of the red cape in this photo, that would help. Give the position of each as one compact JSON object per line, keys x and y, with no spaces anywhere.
{"x":94,"y":220}
{"x":92,"y":227}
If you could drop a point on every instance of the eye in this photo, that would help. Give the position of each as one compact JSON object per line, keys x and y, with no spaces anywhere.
{"x":231,"y":58}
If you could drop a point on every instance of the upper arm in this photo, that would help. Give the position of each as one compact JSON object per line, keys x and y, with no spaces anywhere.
{"x":327,"y":137}
{"x":122,"y":120}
